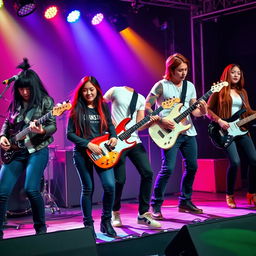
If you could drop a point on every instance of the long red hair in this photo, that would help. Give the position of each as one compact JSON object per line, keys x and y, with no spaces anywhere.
{"x":225,"y":101}
{"x":79,"y":107}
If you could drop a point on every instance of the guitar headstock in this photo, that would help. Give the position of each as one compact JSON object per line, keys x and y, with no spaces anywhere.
{"x":170,"y":102}
{"x":217,"y":87}
{"x":61,"y":107}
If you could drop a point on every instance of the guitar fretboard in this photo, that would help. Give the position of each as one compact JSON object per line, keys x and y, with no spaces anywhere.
{"x":246,"y":120}
{"x":128,"y":132}
{"x":25,"y":131}
{"x":192,"y":107}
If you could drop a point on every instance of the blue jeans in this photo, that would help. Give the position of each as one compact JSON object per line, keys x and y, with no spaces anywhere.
{"x":139,"y":158}
{"x":188,"y":148}
{"x":34,"y":165}
{"x":84,"y":168}
{"x":246,"y":144}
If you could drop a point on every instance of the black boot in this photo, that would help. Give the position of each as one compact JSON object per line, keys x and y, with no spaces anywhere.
{"x":40,"y":229}
{"x":188,"y":206}
{"x":91,"y":227}
{"x":106,"y":228}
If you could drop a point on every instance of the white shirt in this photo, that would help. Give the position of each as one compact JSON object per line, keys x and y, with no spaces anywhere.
{"x":170,"y":90}
{"x":121,"y":99}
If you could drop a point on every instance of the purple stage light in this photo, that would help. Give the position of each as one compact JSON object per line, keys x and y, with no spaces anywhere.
{"x":97,"y":19}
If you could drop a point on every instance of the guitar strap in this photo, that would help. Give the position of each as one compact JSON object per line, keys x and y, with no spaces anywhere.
{"x":183,"y":92}
{"x":133,"y":102}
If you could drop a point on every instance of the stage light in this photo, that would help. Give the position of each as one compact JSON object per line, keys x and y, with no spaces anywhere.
{"x":51,"y":12}
{"x":97,"y":19}
{"x":73,"y":16}
{"x":1,"y":3}
{"x":24,"y":7}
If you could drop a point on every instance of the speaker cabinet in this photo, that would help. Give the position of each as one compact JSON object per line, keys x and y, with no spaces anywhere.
{"x":74,"y":242}
{"x":65,"y":185}
{"x":222,"y":237}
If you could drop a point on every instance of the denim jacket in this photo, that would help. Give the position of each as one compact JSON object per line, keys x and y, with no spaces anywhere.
{"x":33,"y":141}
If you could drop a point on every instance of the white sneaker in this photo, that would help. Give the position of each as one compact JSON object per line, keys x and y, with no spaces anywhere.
{"x":116,"y":219}
{"x":146,"y":219}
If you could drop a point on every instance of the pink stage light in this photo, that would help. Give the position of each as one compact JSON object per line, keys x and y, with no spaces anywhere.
{"x":97,"y":19}
{"x":51,"y":12}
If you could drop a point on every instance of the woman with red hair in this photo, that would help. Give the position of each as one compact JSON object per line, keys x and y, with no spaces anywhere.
{"x":90,"y":118}
{"x":222,"y":106}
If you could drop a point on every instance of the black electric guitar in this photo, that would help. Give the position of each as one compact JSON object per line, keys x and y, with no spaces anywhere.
{"x":223,"y":138}
{"x":17,"y":136}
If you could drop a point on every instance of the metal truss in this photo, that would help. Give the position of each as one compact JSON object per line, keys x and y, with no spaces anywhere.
{"x":198,"y":7}
{"x":179,"y":4}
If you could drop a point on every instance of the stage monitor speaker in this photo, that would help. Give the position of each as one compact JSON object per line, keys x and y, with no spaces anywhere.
{"x":234,"y":236}
{"x":74,"y":242}
{"x":147,"y":244}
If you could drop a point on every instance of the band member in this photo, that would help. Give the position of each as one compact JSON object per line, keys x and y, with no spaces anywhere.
{"x":222,"y":106}
{"x":30,"y":102}
{"x":90,"y":118}
{"x":171,"y":86}
{"x":121,"y":98}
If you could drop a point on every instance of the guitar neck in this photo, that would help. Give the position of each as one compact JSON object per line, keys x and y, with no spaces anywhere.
{"x":192,"y":107}
{"x":246,"y":120}
{"x":132,"y":129}
{"x":25,"y":131}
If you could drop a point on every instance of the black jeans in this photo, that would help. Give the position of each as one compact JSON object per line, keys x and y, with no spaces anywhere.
{"x":139,"y":158}
{"x":84,"y":168}
{"x":188,"y":147}
{"x":34,"y":165}
{"x":245,"y":143}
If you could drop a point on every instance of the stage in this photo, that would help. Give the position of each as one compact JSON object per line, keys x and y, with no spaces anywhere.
{"x":213,"y":205}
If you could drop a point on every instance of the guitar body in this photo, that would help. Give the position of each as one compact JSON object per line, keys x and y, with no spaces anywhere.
{"x":110,"y":156}
{"x":7,"y":156}
{"x":223,"y":138}
{"x":166,"y":138}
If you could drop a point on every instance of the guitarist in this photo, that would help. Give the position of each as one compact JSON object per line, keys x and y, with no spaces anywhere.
{"x":127,"y":103}
{"x":222,"y":106}
{"x":90,"y":118}
{"x":173,"y":85}
{"x":30,"y":102}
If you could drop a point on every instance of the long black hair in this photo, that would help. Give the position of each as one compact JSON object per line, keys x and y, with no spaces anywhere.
{"x":28,"y":78}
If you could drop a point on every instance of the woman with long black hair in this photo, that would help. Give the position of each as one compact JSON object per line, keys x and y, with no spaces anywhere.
{"x":30,"y":102}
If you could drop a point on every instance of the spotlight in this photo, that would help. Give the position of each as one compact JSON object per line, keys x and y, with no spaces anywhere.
{"x":1,"y":3}
{"x":119,"y":21}
{"x":50,"y":12}
{"x":73,"y":16}
{"x":24,"y":7}
{"x":97,"y":19}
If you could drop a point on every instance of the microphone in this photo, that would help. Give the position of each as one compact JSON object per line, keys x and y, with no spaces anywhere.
{"x":13,"y":78}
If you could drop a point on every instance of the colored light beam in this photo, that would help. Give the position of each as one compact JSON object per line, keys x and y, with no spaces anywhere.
{"x":119,"y":51}
{"x":154,"y":61}
{"x":1,"y":3}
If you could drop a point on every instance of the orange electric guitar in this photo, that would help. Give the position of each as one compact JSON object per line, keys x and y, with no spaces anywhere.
{"x":110,"y":156}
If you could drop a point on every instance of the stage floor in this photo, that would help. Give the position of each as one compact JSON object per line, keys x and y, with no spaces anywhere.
{"x":213,"y":205}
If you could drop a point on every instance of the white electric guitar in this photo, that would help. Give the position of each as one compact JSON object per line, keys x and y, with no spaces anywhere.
{"x":166,"y":138}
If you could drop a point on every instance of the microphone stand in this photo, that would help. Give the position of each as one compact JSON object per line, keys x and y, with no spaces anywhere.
{"x":8,"y":85}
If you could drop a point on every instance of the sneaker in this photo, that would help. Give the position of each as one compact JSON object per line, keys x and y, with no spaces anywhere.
{"x":157,"y":216}
{"x":116,"y":219}
{"x":146,"y":219}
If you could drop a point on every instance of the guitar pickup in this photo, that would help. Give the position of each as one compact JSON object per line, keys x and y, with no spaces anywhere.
{"x":108,"y":147}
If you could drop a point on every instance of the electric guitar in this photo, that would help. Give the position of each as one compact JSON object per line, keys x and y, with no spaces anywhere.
{"x":165,"y":138}
{"x":223,"y":138}
{"x":111,"y":155}
{"x":18,"y":136}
